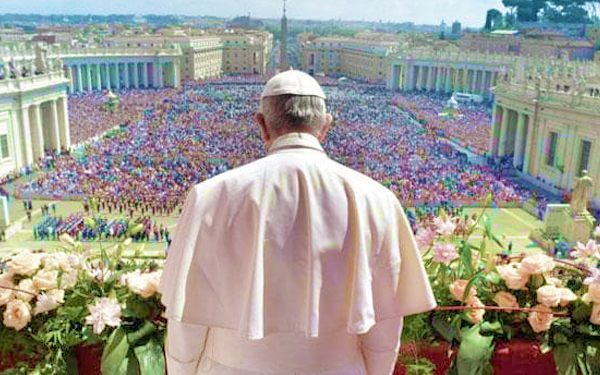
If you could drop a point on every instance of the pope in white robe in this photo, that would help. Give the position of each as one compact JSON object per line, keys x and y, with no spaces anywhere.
{"x":292,"y":264}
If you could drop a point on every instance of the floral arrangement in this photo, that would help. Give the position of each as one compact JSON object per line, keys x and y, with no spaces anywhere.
{"x":484,"y":296}
{"x":50,"y":303}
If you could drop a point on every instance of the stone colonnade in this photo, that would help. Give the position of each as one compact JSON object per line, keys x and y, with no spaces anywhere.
{"x":43,"y":126}
{"x":472,"y":78}
{"x":103,"y":74}
{"x":513,"y":134}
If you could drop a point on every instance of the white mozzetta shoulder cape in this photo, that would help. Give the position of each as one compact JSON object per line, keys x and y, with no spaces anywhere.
{"x":293,"y":242}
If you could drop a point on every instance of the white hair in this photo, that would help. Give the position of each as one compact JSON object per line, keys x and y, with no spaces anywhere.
{"x":294,"y":112}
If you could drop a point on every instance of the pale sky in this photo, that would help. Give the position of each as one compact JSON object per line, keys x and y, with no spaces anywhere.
{"x":432,"y":12}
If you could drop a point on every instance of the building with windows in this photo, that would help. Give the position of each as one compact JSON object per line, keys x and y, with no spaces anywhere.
{"x":246,"y":51}
{"x":33,"y":109}
{"x":365,"y":56}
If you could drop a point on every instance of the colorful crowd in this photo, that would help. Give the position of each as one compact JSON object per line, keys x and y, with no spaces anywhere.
{"x":169,"y":140}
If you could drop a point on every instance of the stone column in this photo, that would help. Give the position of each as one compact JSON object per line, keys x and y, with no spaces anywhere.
{"x":540,"y":135}
{"x":492,"y":142}
{"x":117,"y":76}
{"x":419,"y":70}
{"x":98,"y":78}
{"x":145,"y":73}
{"x":88,"y":71}
{"x":160,"y":74}
{"x":175,"y":74}
{"x":107,"y":76}
{"x":448,"y":80}
{"x":26,"y":131}
{"x":70,"y":76}
{"x":429,"y":78}
{"x":503,"y":128}
{"x":79,"y":80}
{"x":136,"y":78}
{"x":465,"y":80}
{"x":63,"y":120}
{"x":519,"y":139}
{"x":55,"y":141}
{"x":37,"y":135}
{"x":126,"y":76}
{"x":528,"y":145}
{"x":569,"y":166}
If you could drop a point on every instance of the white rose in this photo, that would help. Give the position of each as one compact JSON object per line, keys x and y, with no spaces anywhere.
{"x":25,"y":263}
{"x":549,"y":295}
{"x":27,"y":285}
{"x":7,"y":279}
{"x":46,"y":279}
{"x":56,"y":261}
{"x":17,"y":314}
{"x":144,"y":285}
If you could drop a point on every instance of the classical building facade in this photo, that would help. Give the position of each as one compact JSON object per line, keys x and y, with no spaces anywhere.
{"x":548,"y":124}
{"x":366,"y":56}
{"x":33,"y":113}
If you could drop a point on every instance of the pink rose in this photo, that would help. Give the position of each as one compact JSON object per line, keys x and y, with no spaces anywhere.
{"x":541,"y":321}
{"x":548,"y":295}
{"x":566,"y":296}
{"x":475,"y":315}
{"x":594,"y":293}
{"x":46,"y":279}
{"x":457,"y":289}
{"x":17,"y":314}
{"x":505,"y":299}
{"x":444,"y":252}
{"x":595,"y":317}
{"x":26,"y":285}
{"x":536,"y":264}
{"x":511,"y":276}
{"x":25,"y":263}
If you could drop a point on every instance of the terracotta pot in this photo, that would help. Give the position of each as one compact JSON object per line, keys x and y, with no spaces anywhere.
{"x":515,"y":357}
{"x":522,"y":357}
{"x":89,"y":359}
{"x":440,"y":355}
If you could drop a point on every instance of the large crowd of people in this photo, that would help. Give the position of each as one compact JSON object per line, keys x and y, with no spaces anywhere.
{"x":171,"y":139}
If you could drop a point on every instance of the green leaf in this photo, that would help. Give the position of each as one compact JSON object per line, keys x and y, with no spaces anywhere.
{"x":115,"y":353}
{"x":151,"y":358}
{"x":564,"y":356}
{"x":475,"y":351}
{"x":146,"y":329}
{"x":442,"y":324}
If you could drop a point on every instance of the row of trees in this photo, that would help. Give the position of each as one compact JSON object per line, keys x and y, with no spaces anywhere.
{"x":561,"y":11}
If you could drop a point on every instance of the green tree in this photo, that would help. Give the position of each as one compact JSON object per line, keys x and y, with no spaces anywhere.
{"x":493,"y":20}
{"x":527,"y":10}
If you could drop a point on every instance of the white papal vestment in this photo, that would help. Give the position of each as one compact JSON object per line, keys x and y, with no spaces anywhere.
{"x":292,"y":264}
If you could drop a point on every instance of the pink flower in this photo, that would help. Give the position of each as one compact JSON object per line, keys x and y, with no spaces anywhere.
{"x":597,"y":231}
{"x":445,"y":228}
{"x":588,"y":250}
{"x":444,"y":252}
{"x":593,"y":278}
{"x":505,"y":299}
{"x":105,"y":312}
{"x":512,"y":277}
{"x":549,"y":295}
{"x":457,"y":289}
{"x":536,"y":264}
{"x":566,"y":296}
{"x":425,"y":237}
{"x":542,"y":320}
{"x":475,"y":315}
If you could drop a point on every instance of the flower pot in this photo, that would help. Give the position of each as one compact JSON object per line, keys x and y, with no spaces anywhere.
{"x":522,"y":357}
{"x":515,"y":357}
{"x":89,"y":359}
{"x":440,"y":355}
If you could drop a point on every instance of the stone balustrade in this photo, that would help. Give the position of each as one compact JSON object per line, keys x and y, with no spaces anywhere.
{"x":14,"y":85}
